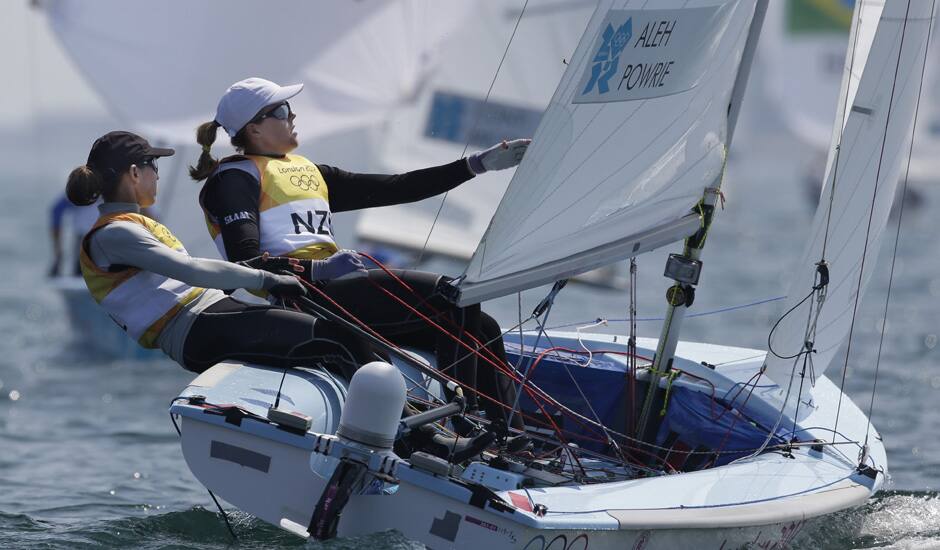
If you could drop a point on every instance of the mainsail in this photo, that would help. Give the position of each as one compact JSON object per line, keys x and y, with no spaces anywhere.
{"x":871,"y":141}
{"x":637,"y":129}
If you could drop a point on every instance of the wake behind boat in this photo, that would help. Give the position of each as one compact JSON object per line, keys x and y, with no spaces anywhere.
{"x":643,"y":443}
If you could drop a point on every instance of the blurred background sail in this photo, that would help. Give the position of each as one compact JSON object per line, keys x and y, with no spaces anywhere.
{"x":804,"y":43}
{"x":803,"y":49}
{"x":358,"y":59}
{"x":456,"y":113}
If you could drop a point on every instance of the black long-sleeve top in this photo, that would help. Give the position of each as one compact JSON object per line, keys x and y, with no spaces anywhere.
{"x":232,"y":197}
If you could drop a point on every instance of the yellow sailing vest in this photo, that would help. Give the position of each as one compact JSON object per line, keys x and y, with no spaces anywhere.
{"x":293,"y":207}
{"x":140,"y":302}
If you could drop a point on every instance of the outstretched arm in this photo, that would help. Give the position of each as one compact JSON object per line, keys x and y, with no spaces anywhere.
{"x":124,"y":243}
{"x":352,"y":191}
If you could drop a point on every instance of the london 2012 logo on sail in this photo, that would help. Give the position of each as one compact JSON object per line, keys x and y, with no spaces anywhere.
{"x":607,"y":59}
{"x":648,"y":53}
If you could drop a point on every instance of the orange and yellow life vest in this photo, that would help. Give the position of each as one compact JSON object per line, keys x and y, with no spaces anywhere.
{"x":140,"y":302}
{"x":293,"y":207}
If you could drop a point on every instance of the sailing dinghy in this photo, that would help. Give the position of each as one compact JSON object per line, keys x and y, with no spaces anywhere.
{"x":635,"y":443}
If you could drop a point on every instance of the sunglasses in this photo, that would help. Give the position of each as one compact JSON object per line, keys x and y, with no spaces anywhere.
{"x":151,"y":162}
{"x":280,"y":112}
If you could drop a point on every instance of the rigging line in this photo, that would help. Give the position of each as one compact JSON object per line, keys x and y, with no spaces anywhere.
{"x":597,"y":418}
{"x":224,"y":515}
{"x":495,"y":362}
{"x":770,"y":335}
{"x":487,"y":344}
{"x":521,"y":335}
{"x":525,"y":376}
{"x":371,"y":333}
{"x":631,"y":350}
{"x":734,"y":420}
{"x":421,"y":387}
{"x":871,"y":213}
{"x":700,"y":314}
{"x":473,"y":128}
{"x":426,"y":301}
{"x":897,"y":235}
{"x":835,"y":162}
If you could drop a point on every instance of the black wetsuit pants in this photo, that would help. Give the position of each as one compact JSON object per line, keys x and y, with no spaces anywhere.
{"x":364,"y":298}
{"x":273,"y":336}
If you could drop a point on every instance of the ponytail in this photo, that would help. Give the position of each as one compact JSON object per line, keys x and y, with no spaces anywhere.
{"x":205,"y":136}
{"x":84,"y":186}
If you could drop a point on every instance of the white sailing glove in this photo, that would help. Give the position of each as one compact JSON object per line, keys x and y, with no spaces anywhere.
{"x":498,"y":157}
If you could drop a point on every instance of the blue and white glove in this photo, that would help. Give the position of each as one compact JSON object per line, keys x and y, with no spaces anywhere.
{"x":342,"y":263}
{"x":498,"y":157}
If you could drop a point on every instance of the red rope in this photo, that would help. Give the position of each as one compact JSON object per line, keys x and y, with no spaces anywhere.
{"x":536,"y":395}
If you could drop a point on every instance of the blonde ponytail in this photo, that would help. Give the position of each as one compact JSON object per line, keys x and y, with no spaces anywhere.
{"x":205,"y":136}
{"x":84,"y":186}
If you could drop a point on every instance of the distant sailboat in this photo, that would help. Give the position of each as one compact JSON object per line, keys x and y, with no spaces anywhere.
{"x":628,"y":157}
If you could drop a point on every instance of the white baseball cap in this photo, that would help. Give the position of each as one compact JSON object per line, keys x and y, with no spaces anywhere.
{"x":244,"y":99}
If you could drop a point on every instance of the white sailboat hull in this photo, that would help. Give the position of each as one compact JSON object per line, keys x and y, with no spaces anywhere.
{"x":272,"y":473}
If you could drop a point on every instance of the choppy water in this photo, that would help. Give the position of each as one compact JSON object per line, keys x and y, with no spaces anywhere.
{"x":88,"y":457}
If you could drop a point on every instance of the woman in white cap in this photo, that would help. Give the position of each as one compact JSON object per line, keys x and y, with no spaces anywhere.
{"x":163,"y":298}
{"x":268,"y":200}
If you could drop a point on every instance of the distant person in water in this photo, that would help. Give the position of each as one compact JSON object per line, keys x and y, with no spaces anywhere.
{"x":266,"y":199}
{"x":163,"y":298}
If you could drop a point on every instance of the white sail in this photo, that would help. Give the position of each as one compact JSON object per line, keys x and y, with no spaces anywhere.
{"x":453,"y":113}
{"x":636,"y":131}
{"x":880,"y":89}
{"x":162,"y":66}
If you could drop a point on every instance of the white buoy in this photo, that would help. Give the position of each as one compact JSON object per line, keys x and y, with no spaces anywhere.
{"x":373,"y":406}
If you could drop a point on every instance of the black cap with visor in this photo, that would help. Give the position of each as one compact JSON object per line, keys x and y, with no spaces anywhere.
{"x":115,"y":152}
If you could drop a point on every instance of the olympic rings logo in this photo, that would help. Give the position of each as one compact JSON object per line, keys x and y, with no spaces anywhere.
{"x":305,"y":182}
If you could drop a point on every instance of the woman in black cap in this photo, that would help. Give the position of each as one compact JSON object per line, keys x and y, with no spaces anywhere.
{"x":267,"y":200}
{"x":162,"y":297}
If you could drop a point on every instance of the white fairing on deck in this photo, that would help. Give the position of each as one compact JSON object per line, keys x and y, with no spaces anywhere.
{"x":861,"y":179}
{"x":253,"y":465}
{"x":619,"y":160}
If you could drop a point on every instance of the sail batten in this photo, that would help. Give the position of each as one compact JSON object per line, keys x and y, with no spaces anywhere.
{"x":637,"y":129}
{"x":871,"y":139}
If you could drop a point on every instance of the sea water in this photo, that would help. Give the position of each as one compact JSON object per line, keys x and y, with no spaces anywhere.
{"x":89,"y":458}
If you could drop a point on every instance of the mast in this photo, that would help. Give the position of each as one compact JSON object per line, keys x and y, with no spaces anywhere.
{"x":685,"y":268}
